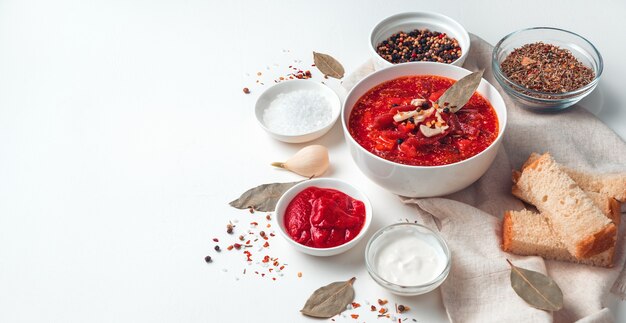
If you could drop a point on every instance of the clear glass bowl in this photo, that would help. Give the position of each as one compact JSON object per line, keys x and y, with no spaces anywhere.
{"x":580,"y":47}
{"x":382,"y":237}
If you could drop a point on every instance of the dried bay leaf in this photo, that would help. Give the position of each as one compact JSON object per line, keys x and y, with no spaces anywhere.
{"x":328,"y":65}
{"x":460,"y":92}
{"x":330,"y":300}
{"x":537,"y":289}
{"x":263,"y":197}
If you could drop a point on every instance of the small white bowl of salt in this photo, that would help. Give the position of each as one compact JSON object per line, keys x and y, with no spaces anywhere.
{"x":298,"y":110}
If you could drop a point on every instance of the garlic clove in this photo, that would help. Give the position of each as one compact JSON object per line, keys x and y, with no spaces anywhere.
{"x":310,"y":161}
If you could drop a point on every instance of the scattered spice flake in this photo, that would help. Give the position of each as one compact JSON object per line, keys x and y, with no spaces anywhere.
{"x":266,"y":244}
{"x":355,"y":305}
{"x":250,"y":209}
{"x":254,"y":224}
{"x":269,"y":225}
{"x":241,"y":238}
{"x":259,"y":73}
{"x":272,"y":235}
{"x":229,"y":248}
{"x":373,"y":308}
{"x":299,"y":274}
{"x":273,"y":278}
{"x":208,"y":259}
{"x":281,"y":267}
{"x":248,"y":242}
{"x":268,"y":217}
{"x":215,"y":240}
{"x":237,"y":246}
{"x":382,"y":302}
{"x":354,"y":316}
{"x":246,"y":90}
{"x":382,"y":310}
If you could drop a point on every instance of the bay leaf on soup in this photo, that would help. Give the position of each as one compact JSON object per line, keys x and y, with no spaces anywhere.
{"x":460,"y":92}
{"x":330,"y":300}
{"x":328,"y":65}
{"x":263,"y":197}
{"x":537,"y":289}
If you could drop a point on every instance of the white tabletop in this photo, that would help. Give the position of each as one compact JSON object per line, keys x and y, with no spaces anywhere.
{"x":124,"y":132}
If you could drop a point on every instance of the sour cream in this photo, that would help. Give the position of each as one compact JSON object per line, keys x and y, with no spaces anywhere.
{"x":407,"y":258}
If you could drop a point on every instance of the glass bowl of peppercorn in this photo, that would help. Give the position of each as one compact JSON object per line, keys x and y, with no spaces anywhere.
{"x":545,"y":68}
{"x":418,"y":37}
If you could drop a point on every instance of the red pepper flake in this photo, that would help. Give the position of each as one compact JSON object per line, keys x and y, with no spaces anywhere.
{"x":251,"y":209}
{"x":248,"y":242}
{"x":215,"y":240}
{"x":354,"y":316}
{"x":355,"y":305}
{"x":275,"y":263}
{"x":266,"y":259}
{"x":273,"y":278}
{"x":382,"y":302}
{"x":262,"y":275}
{"x":272,"y":235}
{"x":373,"y":308}
{"x":253,"y":224}
{"x":256,"y":272}
{"x":230,"y":247}
{"x":237,"y":246}
{"x":281,"y":267}
{"x":266,"y":244}
{"x":270,"y":270}
{"x":269,"y":225}
{"x":382,"y":310}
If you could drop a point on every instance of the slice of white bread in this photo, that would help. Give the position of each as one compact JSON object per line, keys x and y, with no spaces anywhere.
{"x":607,"y":205}
{"x":613,"y":185}
{"x":527,"y":233}
{"x":577,"y":222}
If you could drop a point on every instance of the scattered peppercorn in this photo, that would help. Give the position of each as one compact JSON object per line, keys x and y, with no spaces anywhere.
{"x":241,"y":238}
{"x":419,"y":45}
{"x":402,"y":308}
{"x":208,"y":259}
{"x":262,"y":233}
{"x":217,"y":248}
{"x":399,"y":141}
{"x":229,"y":228}
{"x":446,"y":109}
{"x":237,"y":246}
{"x":268,"y":217}
{"x":246,"y":90}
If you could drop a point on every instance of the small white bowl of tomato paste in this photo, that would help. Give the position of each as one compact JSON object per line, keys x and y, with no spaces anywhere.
{"x":323,"y":216}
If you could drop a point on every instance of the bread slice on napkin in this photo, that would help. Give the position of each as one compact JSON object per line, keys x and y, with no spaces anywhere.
{"x":613,"y":185}
{"x":579,"y":224}
{"x":527,"y":233}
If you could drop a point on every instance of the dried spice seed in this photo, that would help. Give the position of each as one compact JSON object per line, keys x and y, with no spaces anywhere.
{"x":217,"y":248}
{"x":546,"y":68}
{"x":354,"y":316}
{"x":299,"y":274}
{"x":355,"y":305}
{"x":382,"y":302}
{"x":237,"y":246}
{"x":208,"y":259}
{"x":229,"y":228}
{"x":262,"y":233}
{"x":268,"y":217}
{"x":373,"y":308}
{"x":403,"y":308}
{"x":246,"y":90}
{"x":215,"y":240}
{"x":419,"y":45}
{"x":241,"y":238}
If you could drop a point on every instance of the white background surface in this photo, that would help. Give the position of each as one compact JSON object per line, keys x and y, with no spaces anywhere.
{"x":124,"y":132}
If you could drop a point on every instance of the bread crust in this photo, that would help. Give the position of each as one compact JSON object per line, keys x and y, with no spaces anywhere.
{"x":507,"y":231}
{"x":597,"y":242}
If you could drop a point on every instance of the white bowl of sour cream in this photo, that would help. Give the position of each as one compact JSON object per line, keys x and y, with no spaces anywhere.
{"x":407,"y":259}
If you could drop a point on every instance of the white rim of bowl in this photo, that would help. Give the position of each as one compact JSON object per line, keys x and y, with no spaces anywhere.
{"x":442,"y":242}
{"x":558,"y":96}
{"x":403,"y":65}
{"x":311,"y":182}
{"x":333,"y":119}
{"x":465,"y":34}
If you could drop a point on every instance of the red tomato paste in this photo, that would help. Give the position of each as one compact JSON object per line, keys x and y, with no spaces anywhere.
{"x":457,"y":136}
{"x":324,"y":217}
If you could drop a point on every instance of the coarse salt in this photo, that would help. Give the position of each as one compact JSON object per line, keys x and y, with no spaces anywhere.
{"x":298,"y":112}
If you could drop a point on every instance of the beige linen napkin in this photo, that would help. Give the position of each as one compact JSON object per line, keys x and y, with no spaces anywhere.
{"x":478,"y":287}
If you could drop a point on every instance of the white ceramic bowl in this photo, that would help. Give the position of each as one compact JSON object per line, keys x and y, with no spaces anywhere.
{"x":339,"y":185}
{"x":409,"y":21}
{"x":422,"y":181}
{"x":264,"y":100}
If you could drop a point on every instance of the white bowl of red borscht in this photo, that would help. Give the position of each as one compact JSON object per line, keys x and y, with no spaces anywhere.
{"x":323,"y":216}
{"x":403,"y":141}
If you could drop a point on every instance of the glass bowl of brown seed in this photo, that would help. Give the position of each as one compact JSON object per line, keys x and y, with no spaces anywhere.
{"x":545,"y":68}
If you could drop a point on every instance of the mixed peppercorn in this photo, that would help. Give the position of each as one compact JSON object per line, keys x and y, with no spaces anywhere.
{"x":419,"y":45}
